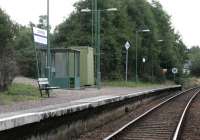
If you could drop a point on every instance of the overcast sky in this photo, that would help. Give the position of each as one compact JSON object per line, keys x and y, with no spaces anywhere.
{"x":184,"y":14}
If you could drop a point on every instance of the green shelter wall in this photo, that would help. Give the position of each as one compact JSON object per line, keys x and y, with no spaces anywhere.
{"x":65,"y":67}
{"x":86,"y":65}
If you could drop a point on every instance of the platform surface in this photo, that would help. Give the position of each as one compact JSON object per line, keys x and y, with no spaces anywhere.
{"x":63,"y":102}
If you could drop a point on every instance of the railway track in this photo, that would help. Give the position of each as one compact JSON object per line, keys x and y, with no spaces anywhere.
{"x":107,"y":128}
{"x":191,"y":128}
{"x":164,"y":121}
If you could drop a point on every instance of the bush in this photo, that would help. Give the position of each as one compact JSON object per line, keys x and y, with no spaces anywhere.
{"x":19,"y":92}
{"x":7,"y":68}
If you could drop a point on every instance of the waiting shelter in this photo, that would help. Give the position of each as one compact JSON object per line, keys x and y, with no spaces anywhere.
{"x":86,"y":65}
{"x":65,"y":67}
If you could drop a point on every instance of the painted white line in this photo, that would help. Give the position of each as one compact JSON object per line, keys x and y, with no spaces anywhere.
{"x":17,"y":116}
{"x":44,"y":112}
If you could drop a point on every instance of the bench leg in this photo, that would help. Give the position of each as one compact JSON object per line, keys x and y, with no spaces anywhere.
{"x":41,"y":93}
{"x":47,"y":92}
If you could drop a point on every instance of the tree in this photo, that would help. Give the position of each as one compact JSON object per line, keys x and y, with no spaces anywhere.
{"x":25,"y":53}
{"x":42,"y":22}
{"x":121,"y":26}
{"x":24,"y":47}
{"x":7,"y":58}
{"x":172,"y":49}
{"x":194,"y":57}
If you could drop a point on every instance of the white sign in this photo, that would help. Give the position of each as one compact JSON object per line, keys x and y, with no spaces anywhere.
{"x":40,"y":32}
{"x":127,"y":45}
{"x":174,"y":70}
{"x":40,"y":35}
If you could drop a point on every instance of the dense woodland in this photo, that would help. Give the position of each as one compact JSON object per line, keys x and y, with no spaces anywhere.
{"x":17,"y":48}
{"x":121,"y":26}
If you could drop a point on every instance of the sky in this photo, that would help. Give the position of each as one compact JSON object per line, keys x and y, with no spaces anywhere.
{"x":24,"y":11}
{"x":185,"y":19}
{"x":184,"y":14}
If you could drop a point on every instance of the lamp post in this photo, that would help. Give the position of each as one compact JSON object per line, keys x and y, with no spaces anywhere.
{"x":127,"y":46}
{"x":152,"y":65}
{"x":136,"y":52}
{"x":98,"y":38}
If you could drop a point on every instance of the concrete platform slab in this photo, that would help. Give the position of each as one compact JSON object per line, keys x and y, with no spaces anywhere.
{"x":69,"y":103}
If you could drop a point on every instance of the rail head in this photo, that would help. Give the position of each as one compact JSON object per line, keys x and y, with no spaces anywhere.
{"x":180,"y":123}
{"x":110,"y":137}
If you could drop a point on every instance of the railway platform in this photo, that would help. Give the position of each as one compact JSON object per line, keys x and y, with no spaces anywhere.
{"x":64,"y":102}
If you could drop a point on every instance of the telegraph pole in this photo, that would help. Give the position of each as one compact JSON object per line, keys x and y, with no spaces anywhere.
{"x":98,"y":50}
{"x":93,"y":15}
{"x":97,"y":23}
{"x":97,"y":44}
{"x":136,"y":57}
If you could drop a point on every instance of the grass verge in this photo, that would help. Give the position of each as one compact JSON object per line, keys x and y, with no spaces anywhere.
{"x":190,"y":82}
{"x":19,"y":92}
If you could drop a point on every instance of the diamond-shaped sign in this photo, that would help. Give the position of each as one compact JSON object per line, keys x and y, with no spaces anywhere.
{"x":127,"y":45}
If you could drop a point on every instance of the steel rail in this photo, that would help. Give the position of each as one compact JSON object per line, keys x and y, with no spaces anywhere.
{"x":180,"y":124}
{"x":110,"y":137}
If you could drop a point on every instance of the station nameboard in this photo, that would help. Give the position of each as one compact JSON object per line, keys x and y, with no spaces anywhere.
{"x":40,"y":36}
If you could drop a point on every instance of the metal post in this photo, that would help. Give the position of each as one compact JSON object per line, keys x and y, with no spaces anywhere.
{"x":37,"y":63}
{"x":98,"y":50}
{"x":152,"y":66}
{"x":96,"y":17}
{"x":136,"y":57}
{"x":48,"y":45}
{"x":93,"y":15}
{"x":97,"y":44}
{"x":174,"y":77}
{"x":36,"y":55}
{"x":126,"y":64}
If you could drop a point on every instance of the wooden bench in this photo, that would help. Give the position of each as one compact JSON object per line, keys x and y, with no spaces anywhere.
{"x":44,"y":85}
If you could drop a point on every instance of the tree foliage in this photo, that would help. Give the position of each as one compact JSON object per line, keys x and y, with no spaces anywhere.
{"x":121,"y":26}
{"x":194,"y":57}
{"x":25,"y":53}
{"x":116,"y":28}
{"x":25,"y":49}
{"x":7,"y":61}
{"x":42,"y":22}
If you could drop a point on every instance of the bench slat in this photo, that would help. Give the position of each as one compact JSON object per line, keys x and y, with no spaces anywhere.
{"x":42,"y":79}
{"x":44,"y":83}
{"x":48,"y":88}
{"x":53,"y":87}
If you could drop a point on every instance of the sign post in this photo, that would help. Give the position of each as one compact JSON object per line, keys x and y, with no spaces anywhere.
{"x":174,"y":71}
{"x":127,"y":46}
{"x":40,"y":37}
